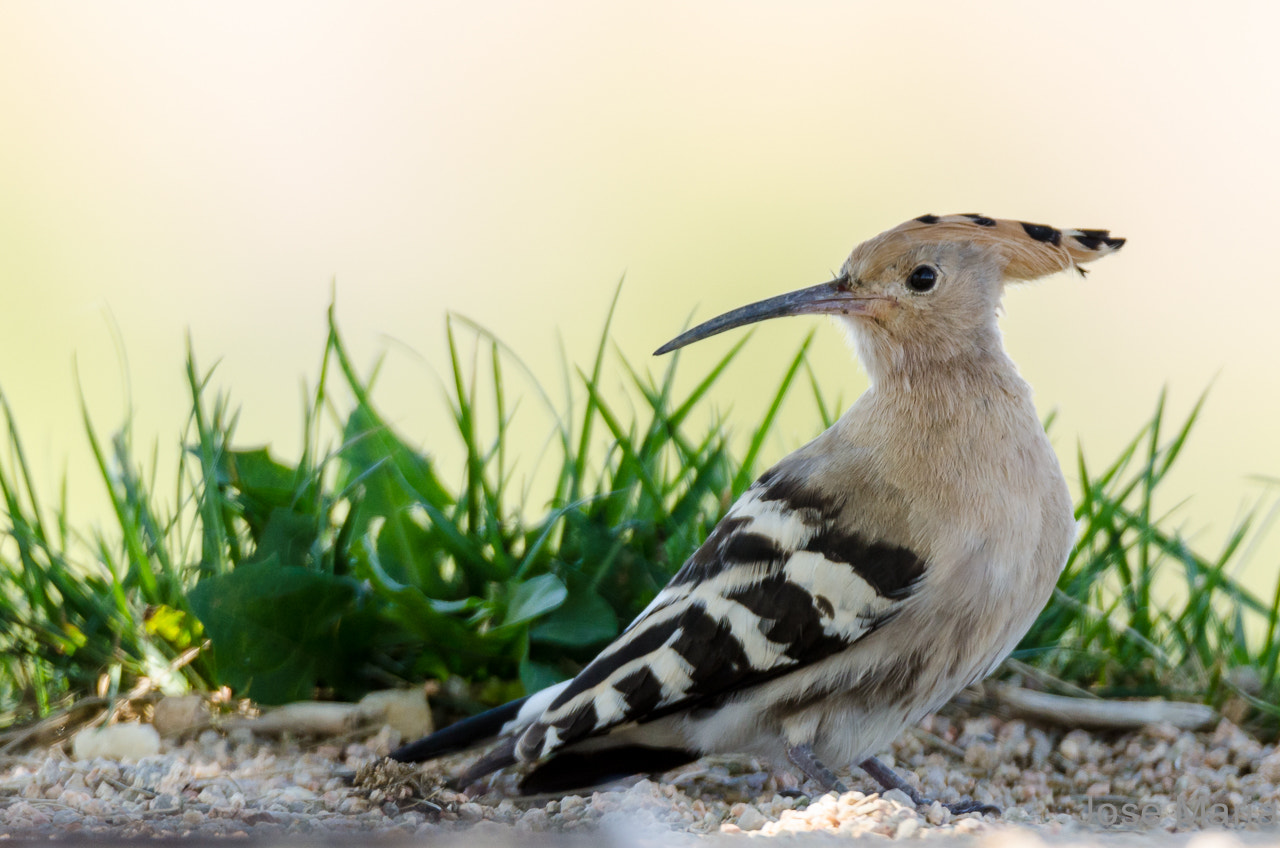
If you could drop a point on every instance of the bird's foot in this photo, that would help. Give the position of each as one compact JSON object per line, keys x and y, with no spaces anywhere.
{"x":959,"y":808}
{"x":803,"y":758}
{"x":889,"y":779}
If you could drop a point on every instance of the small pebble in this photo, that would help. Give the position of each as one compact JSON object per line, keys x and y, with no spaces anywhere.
{"x":125,"y":741}
{"x":1269,"y":767}
{"x":752,"y":819}
{"x":897,"y":796}
{"x":1073,"y":745}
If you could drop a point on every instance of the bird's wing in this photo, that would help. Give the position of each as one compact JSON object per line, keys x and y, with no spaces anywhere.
{"x":784,"y":580}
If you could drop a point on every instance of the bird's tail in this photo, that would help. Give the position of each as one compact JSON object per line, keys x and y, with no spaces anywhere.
{"x":602,"y":761}
{"x":460,"y":735}
{"x":570,"y":770}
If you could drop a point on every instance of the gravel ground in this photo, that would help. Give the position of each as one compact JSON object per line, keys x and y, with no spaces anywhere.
{"x":1209,"y":789}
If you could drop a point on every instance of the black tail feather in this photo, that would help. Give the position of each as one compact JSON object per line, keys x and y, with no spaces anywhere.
{"x":583,"y":769}
{"x":503,"y":755}
{"x":460,"y":735}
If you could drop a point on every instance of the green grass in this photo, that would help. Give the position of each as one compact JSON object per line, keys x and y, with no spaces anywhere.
{"x":361,"y":565}
{"x":1138,"y":612}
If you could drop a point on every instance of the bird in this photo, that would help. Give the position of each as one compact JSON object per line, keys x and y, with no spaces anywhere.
{"x":862,"y":581}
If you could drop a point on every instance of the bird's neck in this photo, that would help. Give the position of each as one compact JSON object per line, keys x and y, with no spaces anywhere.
{"x":943,"y":355}
{"x":938,"y":390}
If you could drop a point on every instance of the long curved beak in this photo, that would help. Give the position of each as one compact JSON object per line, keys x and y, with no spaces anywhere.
{"x":832,"y":298}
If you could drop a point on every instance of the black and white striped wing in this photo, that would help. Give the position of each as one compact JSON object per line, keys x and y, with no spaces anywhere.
{"x":780,"y":583}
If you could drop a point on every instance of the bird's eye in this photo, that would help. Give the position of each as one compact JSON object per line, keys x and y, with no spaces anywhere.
{"x":922,"y":279}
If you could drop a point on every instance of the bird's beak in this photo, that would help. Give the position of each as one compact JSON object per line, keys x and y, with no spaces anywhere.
{"x":834,"y":298}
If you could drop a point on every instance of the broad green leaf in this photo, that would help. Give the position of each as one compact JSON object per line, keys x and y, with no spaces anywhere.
{"x":288,"y":537}
{"x":262,"y":485}
{"x":393,"y":474}
{"x":255,"y":472}
{"x":536,"y":676}
{"x":410,"y":553}
{"x":431,"y":620}
{"x":274,"y":627}
{"x":173,"y":625}
{"x":535,"y":597}
{"x":584,"y":619}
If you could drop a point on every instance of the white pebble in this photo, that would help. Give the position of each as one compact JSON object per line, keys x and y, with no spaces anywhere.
{"x":125,"y":741}
{"x":907,"y":828}
{"x":405,"y":710}
{"x":1269,"y":768}
{"x":897,"y":796}
{"x":751,"y":819}
{"x":1073,"y":745}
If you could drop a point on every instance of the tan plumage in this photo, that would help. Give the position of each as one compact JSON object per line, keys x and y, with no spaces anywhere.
{"x":867,"y":577}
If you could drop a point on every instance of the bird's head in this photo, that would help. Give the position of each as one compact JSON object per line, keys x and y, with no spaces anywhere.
{"x":927,"y":290}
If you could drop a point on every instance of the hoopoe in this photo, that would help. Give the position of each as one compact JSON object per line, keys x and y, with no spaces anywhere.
{"x":866,"y":578}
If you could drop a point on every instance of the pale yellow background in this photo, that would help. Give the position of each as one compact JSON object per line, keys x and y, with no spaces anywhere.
{"x":219,"y":167}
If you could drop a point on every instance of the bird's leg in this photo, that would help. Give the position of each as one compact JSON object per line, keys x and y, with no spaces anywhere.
{"x":803,"y":758}
{"x":889,"y":779}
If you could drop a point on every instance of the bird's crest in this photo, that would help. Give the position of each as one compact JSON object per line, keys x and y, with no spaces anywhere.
{"x":1030,"y":250}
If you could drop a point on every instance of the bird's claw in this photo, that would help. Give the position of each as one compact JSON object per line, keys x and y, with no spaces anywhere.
{"x":960,"y":808}
{"x":803,"y":758}
{"x":889,"y":779}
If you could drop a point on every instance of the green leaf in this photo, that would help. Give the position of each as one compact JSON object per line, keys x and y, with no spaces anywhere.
{"x":274,"y":627}
{"x":536,"y":676}
{"x":254,"y":472}
{"x":430,"y":619}
{"x":584,"y":619}
{"x":173,"y":625}
{"x":410,"y":553}
{"x":288,"y":537}
{"x":535,"y":597}
{"x":394,"y":475}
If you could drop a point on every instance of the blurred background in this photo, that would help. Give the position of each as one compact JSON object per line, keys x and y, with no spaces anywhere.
{"x":224,"y":169}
